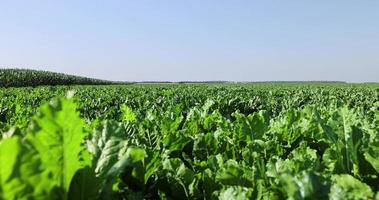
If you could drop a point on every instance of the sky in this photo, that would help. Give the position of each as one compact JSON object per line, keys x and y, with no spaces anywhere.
{"x":197,"y":40}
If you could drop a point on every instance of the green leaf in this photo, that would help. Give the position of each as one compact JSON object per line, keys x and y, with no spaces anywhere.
{"x":127,"y":114}
{"x":235,"y":193}
{"x":182,"y":180}
{"x":344,"y":155}
{"x":250,"y":127}
{"x":302,"y":158}
{"x":372,"y":155}
{"x":57,"y":136}
{"x":20,"y":173}
{"x":152,"y":165}
{"x":11,"y":186}
{"x":347,"y":187}
{"x":105,"y":145}
{"x":234,"y":174}
{"x":132,"y":158}
{"x":84,"y":185}
{"x":304,"y":185}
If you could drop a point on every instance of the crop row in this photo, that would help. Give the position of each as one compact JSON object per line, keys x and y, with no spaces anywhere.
{"x":190,"y":142}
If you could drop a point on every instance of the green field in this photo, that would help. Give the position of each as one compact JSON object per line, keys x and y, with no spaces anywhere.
{"x":190,"y":141}
{"x":32,"y":78}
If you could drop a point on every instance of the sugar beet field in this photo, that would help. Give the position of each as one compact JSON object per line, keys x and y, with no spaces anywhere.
{"x":190,"y":141}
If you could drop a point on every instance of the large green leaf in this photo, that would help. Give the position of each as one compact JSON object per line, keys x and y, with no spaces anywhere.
{"x":84,"y":185}
{"x":57,"y":136}
{"x":232,"y":173}
{"x":347,"y":187}
{"x":372,"y":156}
{"x":21,"y":176}
{"x":250,"y":127}
{"x":304,"y":185}
{"x":132,"y":159}
{"x":372,"y":153}
{"x":105,"y":145}
{"x":235,"y":193}
{"x":345,"y":154}
{"x":301,"y":159}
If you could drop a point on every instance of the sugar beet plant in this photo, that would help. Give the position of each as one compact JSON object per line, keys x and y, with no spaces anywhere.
{"x":312,"y":152}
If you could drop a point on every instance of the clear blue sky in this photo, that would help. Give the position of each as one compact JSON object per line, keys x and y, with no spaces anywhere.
{"x":194,"y":40}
